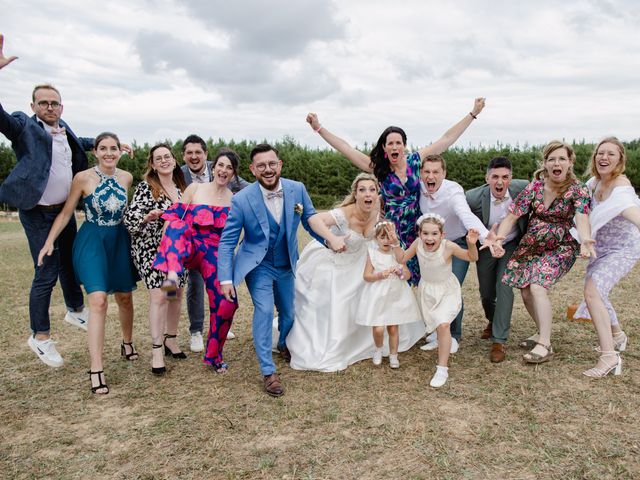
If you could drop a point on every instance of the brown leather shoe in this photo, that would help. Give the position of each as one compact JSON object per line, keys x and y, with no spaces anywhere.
{"x":498,"y":352}
{"x":272,"y":385}
{"x":285,"y":354}
{"x":487,"y":332}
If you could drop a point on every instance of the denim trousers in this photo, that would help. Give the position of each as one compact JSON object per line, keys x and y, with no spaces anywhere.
{"x":195,"y":301}
{"x":37,"y":224}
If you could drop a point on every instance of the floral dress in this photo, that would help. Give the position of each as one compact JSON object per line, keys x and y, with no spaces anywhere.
{"x":145,"y":237}
{"x":547,"y":250}
{"x":402,"y":206}
{"x":191,"y":241}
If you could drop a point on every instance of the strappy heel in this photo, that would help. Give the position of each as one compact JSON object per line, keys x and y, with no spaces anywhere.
{"x":157,"y":370}
{"x":603,"y":372}
{"x":620,"y":341}
{"x":536,"y":358}
{"x":100,"y":385}
{"x":130,"y":357}
{"x":167,"y":351}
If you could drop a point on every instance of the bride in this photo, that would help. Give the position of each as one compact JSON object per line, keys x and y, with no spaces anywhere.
{"x":325,"y":336}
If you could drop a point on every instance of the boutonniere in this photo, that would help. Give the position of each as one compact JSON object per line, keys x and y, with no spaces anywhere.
{"x":298,"y":209}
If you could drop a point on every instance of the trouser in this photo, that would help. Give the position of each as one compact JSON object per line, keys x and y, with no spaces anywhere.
{"x":195,"y":301}
{"x":37,"y":223}
{"x":459,"y":269}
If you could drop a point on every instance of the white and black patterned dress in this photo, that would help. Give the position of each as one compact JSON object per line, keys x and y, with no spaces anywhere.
{"x":145,"y":237}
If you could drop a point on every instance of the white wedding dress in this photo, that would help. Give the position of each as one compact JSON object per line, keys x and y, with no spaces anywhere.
{"x":325,"y":336}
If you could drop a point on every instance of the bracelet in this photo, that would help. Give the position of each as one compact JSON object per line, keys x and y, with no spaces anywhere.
{"x":475,"y":117}
{"x":317,"y":130}
{"x":397,"y":245}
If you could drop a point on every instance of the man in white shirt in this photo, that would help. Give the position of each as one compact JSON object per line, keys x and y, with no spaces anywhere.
{"x":447,"y":199}
{"x":490,"y":203}
{"x":48,"y":154}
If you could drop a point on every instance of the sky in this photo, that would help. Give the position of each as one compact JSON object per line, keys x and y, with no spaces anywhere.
{"x":156,"y":70}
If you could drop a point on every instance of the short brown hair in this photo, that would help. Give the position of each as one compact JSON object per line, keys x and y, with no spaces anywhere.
{"x":435,"y":159}
{"x":44,"y":86}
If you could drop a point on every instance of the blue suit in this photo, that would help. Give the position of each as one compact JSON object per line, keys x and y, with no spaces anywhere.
{"x":23,"y":188}
{"x":266,"y":259}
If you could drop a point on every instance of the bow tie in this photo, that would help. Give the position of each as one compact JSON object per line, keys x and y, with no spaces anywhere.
{"x":59,"y":131}
{"x":278,"y":194}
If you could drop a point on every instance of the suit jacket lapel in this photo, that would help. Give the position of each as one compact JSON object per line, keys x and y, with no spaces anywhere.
{"x":486,"y":206}
{"x":287,"y":206}
{"x":259,"y":208}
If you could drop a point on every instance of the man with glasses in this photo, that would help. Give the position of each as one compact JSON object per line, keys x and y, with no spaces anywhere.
{"x":48,"y":155}
{"x":197,"y":169}
{"x":269,"y":212}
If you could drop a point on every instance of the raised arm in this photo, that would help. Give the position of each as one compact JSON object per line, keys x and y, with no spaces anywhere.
{"x":359,"y":159}
{"x":61,"y":221}
{"x":4,"y":61}
{"x":451,"y":135}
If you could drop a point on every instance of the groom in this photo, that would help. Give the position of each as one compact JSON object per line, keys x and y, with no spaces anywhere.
{"x":269,"y":211}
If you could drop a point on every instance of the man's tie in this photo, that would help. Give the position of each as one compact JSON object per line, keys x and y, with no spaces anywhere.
{"x":278,"y":194}
{"x":498,"y":201}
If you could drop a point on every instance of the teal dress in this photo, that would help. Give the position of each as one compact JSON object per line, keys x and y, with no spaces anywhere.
{"x":102,"y":252}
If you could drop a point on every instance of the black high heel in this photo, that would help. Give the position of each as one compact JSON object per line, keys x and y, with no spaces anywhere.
{"x":167,"y":351}
{"x":157,"y":370}
{"x":101,"y":385}
{"x":128,"y":356}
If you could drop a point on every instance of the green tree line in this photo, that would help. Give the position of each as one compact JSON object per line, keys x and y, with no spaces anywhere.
{"x":328,"y":175}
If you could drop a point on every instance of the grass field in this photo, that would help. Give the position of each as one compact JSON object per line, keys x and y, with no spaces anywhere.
{"x":504,"y":421}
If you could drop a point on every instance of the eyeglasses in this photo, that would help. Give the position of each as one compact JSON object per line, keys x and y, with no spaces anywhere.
{"x":44,"y":104}
{"x":166,"y":157}
{"x":261,"y":167}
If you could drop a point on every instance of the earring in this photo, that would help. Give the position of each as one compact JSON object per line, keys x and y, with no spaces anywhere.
{"x":385,"y":155}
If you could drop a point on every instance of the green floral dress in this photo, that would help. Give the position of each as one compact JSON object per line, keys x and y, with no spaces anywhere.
{"x":547,"y":251}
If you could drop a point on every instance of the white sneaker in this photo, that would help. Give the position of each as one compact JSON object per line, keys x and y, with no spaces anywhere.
{"x":432,"y":345}
{"x":78,"y":319}
{"x":393,"y":361}
{"x":432,"y":337}
{"x":377,"y":356}
{"x":454,"y":345}
{"x":231,"y":335}
{"x":46,"y":351}
{"x":440,"y":377}
{"x":196,"y":344}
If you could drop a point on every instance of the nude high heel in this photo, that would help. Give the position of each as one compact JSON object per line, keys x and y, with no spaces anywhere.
{"x":603,"y":372}
{"x":620,"y":341}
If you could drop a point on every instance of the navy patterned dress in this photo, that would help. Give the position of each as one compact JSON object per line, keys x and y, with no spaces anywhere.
{"x":101,"y":252}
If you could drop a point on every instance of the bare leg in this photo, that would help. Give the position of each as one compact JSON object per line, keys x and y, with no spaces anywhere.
{"x":527,"y":299}
{"x":95,"y":334}
{"x":378,"y":336}
{"x":125,"y":313}
{"x":157,"y":322}
{"x":444,"y":344}
{"x":543,"y":316}
{"x":173,"y":317}
{"x":601,"y":322}
{"x":394,"y":339}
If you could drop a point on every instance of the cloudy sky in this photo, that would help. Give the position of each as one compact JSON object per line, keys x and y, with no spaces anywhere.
{"x":154,"y":70}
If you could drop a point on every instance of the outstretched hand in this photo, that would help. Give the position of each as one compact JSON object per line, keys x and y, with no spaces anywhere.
{"x":4,"y":61}
{"x":587,"y":248}
{"x":478,"y":105}
{"x":312,"y":119}
{"x":473,"y":235}
{"x":491,"y":238}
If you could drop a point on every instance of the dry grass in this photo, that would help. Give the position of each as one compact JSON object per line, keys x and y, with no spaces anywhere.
{"x":490,"y":421}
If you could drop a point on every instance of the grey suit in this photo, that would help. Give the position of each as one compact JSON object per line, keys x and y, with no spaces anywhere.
{"x":195,"y":285}
{"x":497,"y":299}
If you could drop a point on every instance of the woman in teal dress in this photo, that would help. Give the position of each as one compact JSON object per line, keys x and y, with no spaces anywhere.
{"x":101,"y":251}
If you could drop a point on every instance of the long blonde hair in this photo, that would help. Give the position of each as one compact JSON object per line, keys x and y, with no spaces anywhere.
{"x":350,"y":199}
{"x":549,"y":148}
{"x":622,"y":164}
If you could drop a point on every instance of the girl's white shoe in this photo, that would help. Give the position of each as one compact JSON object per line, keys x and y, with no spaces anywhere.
{"x":377,"y":356}
{"x":393,"y":361}
{"x":440,"y":377}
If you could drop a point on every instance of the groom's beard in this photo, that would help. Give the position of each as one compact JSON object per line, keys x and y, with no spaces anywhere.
{"x":270,"y":186}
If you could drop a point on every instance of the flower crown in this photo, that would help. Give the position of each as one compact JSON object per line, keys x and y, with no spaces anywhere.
{"x":430,"y":216}
{"x":382,"y":223}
